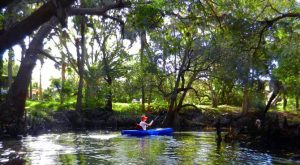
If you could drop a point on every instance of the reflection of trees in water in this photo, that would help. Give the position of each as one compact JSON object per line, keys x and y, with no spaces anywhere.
{"x":89,"y":151}
{"x":12,"y":150}
{"x":140,"y":150}
{"x":181,"y":148}
{"x":151,"y":148}
{"x":199,"y":148}
{"x":187,"y":149}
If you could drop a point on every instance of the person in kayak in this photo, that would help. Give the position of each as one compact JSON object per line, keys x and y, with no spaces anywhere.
{"x":143,"y":123}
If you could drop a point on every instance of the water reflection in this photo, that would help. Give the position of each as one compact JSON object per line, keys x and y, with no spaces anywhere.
{"x":112,"y":148}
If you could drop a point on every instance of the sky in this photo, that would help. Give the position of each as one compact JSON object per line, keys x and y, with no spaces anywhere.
{"x":48,"y":70}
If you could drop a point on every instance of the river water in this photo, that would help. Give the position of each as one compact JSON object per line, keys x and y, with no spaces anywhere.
{"x":101,"y":147}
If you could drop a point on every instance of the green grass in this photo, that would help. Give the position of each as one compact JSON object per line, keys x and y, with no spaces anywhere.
{"x":44,"y":109}
{"x":53,"y":105}
{"x":40,"y":110}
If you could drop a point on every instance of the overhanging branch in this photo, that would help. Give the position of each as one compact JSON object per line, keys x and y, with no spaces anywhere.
{"x":270,"y":23}
{"x":97,"y":11}
{"x":14,"y":34}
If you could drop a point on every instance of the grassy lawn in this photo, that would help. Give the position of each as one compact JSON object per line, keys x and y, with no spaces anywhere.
{"x":44,"y":109}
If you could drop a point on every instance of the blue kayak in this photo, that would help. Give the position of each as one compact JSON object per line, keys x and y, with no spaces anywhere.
{"x":156,"y":131}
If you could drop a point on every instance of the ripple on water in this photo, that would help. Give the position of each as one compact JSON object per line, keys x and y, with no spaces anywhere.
{"x":112,"y":148}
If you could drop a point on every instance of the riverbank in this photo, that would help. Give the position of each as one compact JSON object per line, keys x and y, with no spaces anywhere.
{"x":277,"y":130}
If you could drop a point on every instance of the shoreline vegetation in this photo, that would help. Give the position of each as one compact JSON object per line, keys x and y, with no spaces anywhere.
{"x":278,"y":130}
{"x":175,"y":60}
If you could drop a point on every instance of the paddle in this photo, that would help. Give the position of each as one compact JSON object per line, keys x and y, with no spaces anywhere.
{"x":156,"y":118}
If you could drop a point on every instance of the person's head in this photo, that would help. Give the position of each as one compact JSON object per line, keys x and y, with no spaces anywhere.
{"x":144,"y":118}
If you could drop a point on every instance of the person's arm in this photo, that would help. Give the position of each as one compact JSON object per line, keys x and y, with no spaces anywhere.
{"x":150,"y":123}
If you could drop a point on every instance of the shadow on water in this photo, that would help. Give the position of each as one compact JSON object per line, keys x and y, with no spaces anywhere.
{"x":11,"y":152}
{"x":111,"y":148}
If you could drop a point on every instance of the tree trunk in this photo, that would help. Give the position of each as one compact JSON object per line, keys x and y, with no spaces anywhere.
{"x":245,"y":105}
{"x":273,"y":96}
{"x":1,"y":72}
{"x":284,"y":102}
{"x":10,"y":66}
{"x":80,"y":72}
{"x":108,"y":105}
{"x":40,"y":94}
{"x":276,"y":86}
{"x":142,"y":56}
{"x":170,"y":119}
{"x":63,"y":78}
{"x":189,"y":86}
{"x":12,"y":111}
{"x":30,"y":89}
{"x":297,"y":101}
{"x":80,"y":61}
{"x":149,"y":99}
{"x":23,"y":49}
{"x":108,"y":76}
{"x":215,"y":101}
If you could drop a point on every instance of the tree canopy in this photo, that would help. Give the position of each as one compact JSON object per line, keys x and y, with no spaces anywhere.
{"x":190,"y":52}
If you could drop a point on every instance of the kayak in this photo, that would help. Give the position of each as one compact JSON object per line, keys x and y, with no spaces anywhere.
{"x":156,"y":131}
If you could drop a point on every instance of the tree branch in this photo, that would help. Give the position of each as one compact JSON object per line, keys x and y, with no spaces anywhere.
{"x":122,"y":24}
{"x":97,"y":11}
{"x":13,"y":35}
{"x":269,"y":23}
{"x":48,"y":56}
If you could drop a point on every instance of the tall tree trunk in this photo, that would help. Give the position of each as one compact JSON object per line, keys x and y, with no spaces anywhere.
{"x":214,"y":96}
{"x":284,"y":102}
{"x":188,"y":86}
{"x":80,"y":61}
{"x":108,"y":76}
{"x":10,"y":66}
{"x":80,"y":72}
{"x":30,"y":89}
{"x":149,"y":99}
{"x":276,"y":86}
{"x":63,"y":78}
{"x":81,"y":57}
{"x":1,"y":72}
{"x":170,"y":119}
{"x":215,"y":100}
{"x":108,"y":105}
{"x":142,"y":56}
{"x":246,"y":99}
{"x":297,"y":101}
{"x":23,"y":49}
{"x":12,"y":111}
{"x":40,"y":93}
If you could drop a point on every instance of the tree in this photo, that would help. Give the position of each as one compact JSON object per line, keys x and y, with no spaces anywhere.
{"x":187,"y":45}
{"x":12,"y":111}
{"x":287,"y":71}
{"x":9,"y":66}
{"x":14,"y":34}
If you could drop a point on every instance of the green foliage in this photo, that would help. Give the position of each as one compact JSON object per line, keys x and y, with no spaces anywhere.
{"x":127,"y":107}
{"x":15,"y":68}
{"x":136,"y":107}
{"x":146,"y":17}
{"x":220,"y":39}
